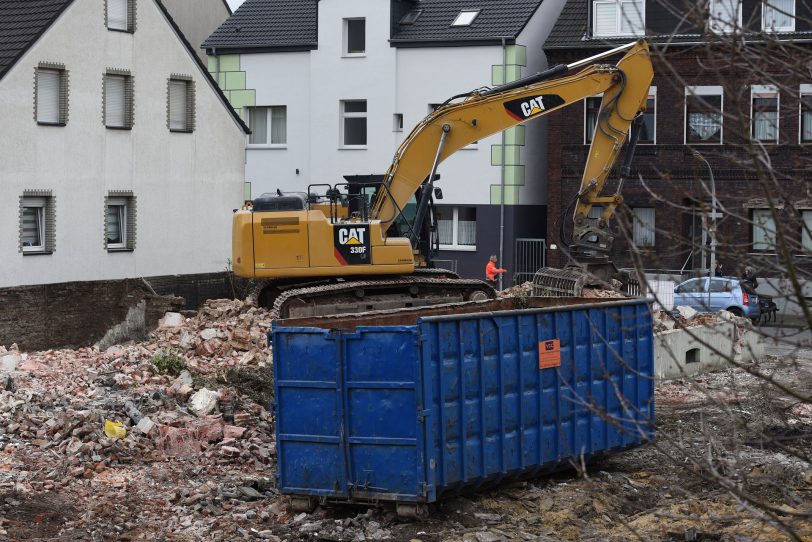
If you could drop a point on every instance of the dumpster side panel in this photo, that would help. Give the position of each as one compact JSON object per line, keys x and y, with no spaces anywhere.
{"x":384,"y":434}
{"x":307,"y":386}
{"x":493,"y":412}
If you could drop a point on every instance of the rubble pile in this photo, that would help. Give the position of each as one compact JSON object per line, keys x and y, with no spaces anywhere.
{"x":682,"y":317}
{"x":172,"y":439}
{"x":524,"y":289}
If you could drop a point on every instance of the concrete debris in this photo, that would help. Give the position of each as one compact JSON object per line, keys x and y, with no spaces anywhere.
{"x":686,"y":312}
{"x":172,"y":319}
{"x":203,"y":402}
{"x":524,"y":289}
{"x":176,"y":475}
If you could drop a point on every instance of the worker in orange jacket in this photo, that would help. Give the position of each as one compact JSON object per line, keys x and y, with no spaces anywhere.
{"x":491,"y":271}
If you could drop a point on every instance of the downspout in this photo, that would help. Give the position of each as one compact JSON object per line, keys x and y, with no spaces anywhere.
{"x":502,"y":180}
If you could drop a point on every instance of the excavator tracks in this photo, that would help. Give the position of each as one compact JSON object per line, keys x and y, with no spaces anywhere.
{"x":349,"y":297}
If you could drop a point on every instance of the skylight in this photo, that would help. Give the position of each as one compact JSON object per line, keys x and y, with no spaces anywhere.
{"x":465,"y":18}
{"x":410,"y":17}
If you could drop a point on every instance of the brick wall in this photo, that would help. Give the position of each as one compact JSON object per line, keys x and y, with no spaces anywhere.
{"x":80,"y":313}
{"x":672,"y":178}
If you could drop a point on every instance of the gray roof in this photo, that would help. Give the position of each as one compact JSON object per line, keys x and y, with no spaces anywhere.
{"x":22,"y":22}
{"x":497,"y":19}
{"x":269,"y":24}
{"x":290,"y":25}
{"x":570,"y":32}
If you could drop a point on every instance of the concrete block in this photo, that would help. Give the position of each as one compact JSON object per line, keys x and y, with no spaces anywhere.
{"x":695,"y":350}
{"x":9,"y":362}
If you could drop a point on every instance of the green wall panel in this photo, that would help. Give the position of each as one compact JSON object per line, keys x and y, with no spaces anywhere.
{"x":514,"y":72}
{"x":517,"y":54}
{"x":242,"y":98}
{"x":235,"y":80}
{"x":229,"y":63}
{"x":511,"y":195}
{"x":515,"y":135}
{"x":513,"y":153}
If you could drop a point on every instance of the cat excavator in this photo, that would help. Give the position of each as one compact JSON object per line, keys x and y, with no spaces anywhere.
{"x":368,"y":244}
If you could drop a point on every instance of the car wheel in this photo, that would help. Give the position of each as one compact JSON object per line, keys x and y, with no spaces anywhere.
{"x":736,"y":311}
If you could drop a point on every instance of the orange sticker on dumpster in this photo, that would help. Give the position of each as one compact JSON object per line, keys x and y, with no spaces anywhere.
{"x":549,"y":354}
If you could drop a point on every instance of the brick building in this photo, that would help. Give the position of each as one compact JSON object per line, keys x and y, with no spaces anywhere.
{"x":728,"y":98}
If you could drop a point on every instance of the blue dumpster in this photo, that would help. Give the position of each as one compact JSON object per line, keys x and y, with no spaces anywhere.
{"x":413,"y":413}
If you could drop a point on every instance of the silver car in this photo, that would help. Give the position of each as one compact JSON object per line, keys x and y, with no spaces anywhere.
{"x":722,"y":293}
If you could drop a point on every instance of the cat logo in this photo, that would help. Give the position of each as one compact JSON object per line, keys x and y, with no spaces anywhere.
{"x":532,"y":106}
{"x":351,"y":244}
{"x":351,"y":236}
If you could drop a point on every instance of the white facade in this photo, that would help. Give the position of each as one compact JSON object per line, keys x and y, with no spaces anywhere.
{"x":392,"y":80}
{"x":185,"y":184}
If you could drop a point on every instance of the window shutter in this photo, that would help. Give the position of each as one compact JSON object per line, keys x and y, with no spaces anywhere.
{"x":605,"y":23}
{"x":178,"y":112}
{"x":190,"y":105}
{"x":48,"y":86}
{"x":128,"y":102}
{"x":114,"y":101}
{"x":130,"y":15}
{"x":131,"y":208}
{"x":117,"y":11}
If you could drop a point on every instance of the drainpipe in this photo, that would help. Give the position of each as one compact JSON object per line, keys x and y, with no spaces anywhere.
{"x":502,"y":180}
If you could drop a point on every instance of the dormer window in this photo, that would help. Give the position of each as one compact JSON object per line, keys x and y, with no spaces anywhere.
{"x":465,"y":18}
{"x":618,"y":18}
{"x":725,"y":16}
{"x":778,"y":15}
{"x":410,"y":17}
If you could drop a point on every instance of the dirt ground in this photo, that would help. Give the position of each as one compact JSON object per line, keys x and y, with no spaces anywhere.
{"x":730,"y":463}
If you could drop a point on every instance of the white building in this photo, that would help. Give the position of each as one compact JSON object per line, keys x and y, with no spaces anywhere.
{"x":120,"y":156}
{"x":330,"y":88}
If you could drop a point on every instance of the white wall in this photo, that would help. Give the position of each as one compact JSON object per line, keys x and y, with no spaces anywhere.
{"x":535,"y":156}
{"x":392,"y":80}
{"x":186,"y":184}
{"x":432,"y":75}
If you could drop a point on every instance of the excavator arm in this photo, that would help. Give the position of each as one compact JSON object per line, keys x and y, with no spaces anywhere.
{"x":483,"y":113}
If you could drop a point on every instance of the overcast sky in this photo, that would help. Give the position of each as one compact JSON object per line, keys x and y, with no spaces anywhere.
{"x":235,"y":4}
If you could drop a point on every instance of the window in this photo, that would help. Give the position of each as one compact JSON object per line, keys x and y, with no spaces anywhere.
{"x":397,"y":122}
{"x":51,"y":94}
{"x":763,"y":230}
{"x":354,"y":123}
{"x":724,"y":15}
{"x":806,"y":235}
{"x":691,"y":287}
{"x":778,"y":15}
{"x":118,"y":100}
{"x":647,"y":134}
{"x":591,"y":107}
{"x":269,"y":125}
{"x":410,"y":17}
{"x":456,"y":228}
{"x":764,"y":113}
{"x":703,"y":115}
{"x":649,"y":129}
{"x":354,"y":37}
{"x":643,"y":226}
{"x":120,"y":15}
{"x":465,"y":18}
{"x":36,"y":222}
{"x":719,"y":286}
{"x":806,"y":114}
{"x":180,"y":105}
{"x":618,"y":18}
{"x":119,"y":221}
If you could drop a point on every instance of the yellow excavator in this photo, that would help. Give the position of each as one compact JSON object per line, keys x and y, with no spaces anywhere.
{"x":367,"y":244}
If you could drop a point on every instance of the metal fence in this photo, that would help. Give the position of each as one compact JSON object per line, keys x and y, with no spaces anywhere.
{"x":451,"y":265}
{"x":529,"y":257}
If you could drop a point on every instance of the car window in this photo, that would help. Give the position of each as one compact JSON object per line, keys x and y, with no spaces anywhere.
{"x":690,"y":287}
{"x":719,"y":285}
